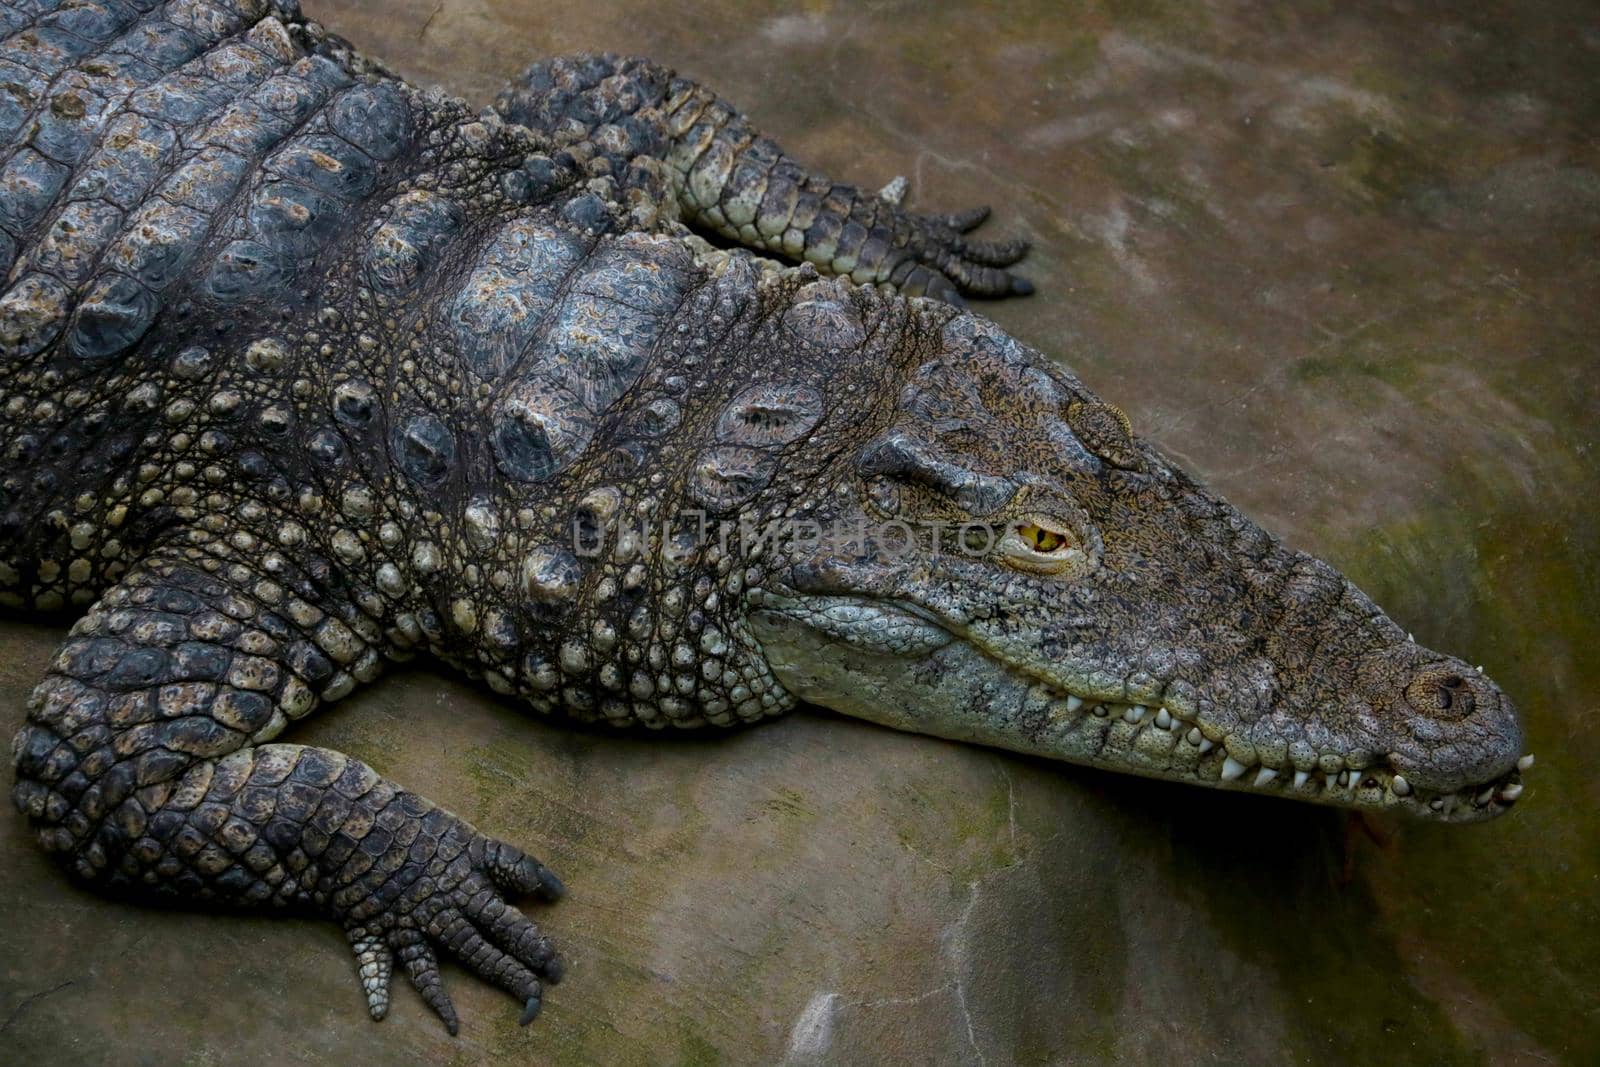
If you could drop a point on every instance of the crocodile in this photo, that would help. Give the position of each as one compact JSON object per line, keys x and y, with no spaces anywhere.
{"x":600,"y":398}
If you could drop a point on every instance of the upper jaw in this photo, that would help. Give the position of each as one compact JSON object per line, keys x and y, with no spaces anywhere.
{"x":1140,"y":725}
{"x":1166,"y":738}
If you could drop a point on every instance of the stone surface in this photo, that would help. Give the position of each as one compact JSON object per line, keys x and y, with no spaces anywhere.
{"x":1340,"y":260}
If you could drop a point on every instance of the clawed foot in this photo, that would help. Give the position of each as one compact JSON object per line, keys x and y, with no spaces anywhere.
{"x":447,"y":892}
{"x":948,"y":264}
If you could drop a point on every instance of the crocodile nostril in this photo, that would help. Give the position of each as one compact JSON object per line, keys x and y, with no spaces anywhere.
{"x":1441,"y":694}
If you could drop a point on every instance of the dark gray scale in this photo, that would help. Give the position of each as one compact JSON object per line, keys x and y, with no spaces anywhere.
{"x":66,"y":124}
{"x":92,"y":21}
{"x":327,"y":164}
{"x":190,"y":93}
{"x":158,"y":43}
{"x":289,"y":222}
{"x":292,"y":220}
{"x":727,"y":476}
{"x":540,"y":428}
{"x":117,"y":51}
{"x":22,"y":88}
{"x":72,"y":244}
{"x":185,"y":96}
{"x":245,"y":270}
{"x":598,"y":341}
{"x":374,"y":118}
{"x":192,"y":363}
{"x":17,"y":14}
{"x":32,"y":314}
{"x":509,"y":291}
{"x":404,"y":245}
{"x":265,"y":114}
{"x":113,"y":315}
{"x":326,"y":447}
{"x":214,"y":19}
{"x":28,"y":185}
{"x":160,"y":241}
{"x":423,"y":447}
{"x":142,"y":51}
{"x":822,"y":317}
{"x":206,"y":181}
{"x":162,"y":238}
{"x":655,"y":419}
{"x":46,"y":47}
{"x":126,"y":162}
{"x":770,"y":414}
{"x":119,"y":171}
{"x":125,"y":159}
{"x":355,"y":403}
{"x":214,"y":77}
{"x":587,"y":213}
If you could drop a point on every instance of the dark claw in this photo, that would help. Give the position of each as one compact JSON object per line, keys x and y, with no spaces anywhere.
{"x":550,"y":887}
{"x":995,"y":253}
{"x":553,"y":970}
{"x":1021,"y":286}
{"x":530,"y":1010}
{"x":971,"y":219}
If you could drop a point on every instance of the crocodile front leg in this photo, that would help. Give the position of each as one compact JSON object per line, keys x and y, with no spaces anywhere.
{"x":144,"y":766}
{"x":725,"y":177}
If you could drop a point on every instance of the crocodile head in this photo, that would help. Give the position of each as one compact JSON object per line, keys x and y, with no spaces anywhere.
{"x":1003,"y":562}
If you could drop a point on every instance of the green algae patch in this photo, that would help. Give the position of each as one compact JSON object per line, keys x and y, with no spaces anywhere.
{"x":1380,"y":168}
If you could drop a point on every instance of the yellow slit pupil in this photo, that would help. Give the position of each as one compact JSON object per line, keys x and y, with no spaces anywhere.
{"x":1041,"y":539}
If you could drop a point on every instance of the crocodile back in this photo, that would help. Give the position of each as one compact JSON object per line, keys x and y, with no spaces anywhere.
{"x":169,"y":174}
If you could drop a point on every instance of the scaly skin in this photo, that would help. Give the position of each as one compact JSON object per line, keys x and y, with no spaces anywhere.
{"x":700,"y":157}
{"x":304,"y":370}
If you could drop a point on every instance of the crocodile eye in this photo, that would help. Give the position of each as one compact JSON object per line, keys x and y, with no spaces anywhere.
{"x":1041,"y":539}
{"x":1043,"y":546}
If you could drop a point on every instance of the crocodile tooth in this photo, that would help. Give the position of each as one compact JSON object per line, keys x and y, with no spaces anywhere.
{"x":1134,"y":713}
{"x":1437,"y":803}
{"x":1265,"y":775}
{"x":1074,"y":703}
{"x":1401,"y":787}
{"x":1206,"y":745}
{"x":1164,"y":719}
{"x":1300,"y":778}
{"x":1510,"y":793}
{"x":1525,"y":762}
{"x":1193,"y":736}
{"x":1232,"y":768}
{"x":1484,"y":797}
{"x":1101,"y":710}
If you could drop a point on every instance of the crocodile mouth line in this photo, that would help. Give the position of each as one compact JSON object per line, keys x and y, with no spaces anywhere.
{"x":1199,"y":752}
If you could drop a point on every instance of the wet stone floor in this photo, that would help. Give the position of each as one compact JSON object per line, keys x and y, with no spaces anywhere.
{"x":1340,"y":260}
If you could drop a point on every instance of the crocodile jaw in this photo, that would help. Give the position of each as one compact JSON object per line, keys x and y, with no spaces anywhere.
{"x":899,"y":666}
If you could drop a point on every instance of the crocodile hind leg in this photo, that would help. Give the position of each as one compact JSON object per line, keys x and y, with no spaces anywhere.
{"x":145,"y":766}
{"x":727,"y":178}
